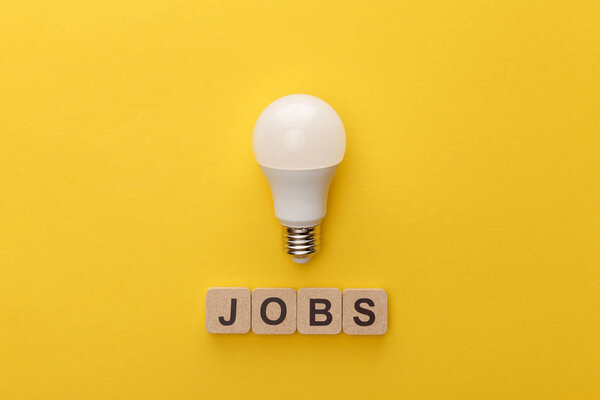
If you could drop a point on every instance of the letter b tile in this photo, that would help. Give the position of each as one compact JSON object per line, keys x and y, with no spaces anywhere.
{"x":273,"y":311}
{"x":228,"y":310}
{"x":319,"y":311}
{"x":365,"y":311}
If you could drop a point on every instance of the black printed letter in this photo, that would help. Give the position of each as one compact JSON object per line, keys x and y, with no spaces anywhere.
{"x":325,"y":311}
{"x":364,"y":311}
{"x":232,"y":317}
{"x":263,"y":311}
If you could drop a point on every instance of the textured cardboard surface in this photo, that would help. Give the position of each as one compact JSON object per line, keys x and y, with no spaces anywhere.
{"x":324,"y":298}
{"x":368,"y":307}
{"x":219,"y":310}
{"x":273,"y":311}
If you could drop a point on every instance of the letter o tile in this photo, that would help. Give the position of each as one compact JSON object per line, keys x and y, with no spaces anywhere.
{"x":273,"y":311}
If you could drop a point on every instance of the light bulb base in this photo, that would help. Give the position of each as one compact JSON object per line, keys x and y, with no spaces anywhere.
{"x":301,"y":243}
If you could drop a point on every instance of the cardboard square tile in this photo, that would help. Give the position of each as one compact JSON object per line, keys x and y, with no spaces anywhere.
{"x":365,"y":311}
{"x":228,"y":310}
{"x":273,"y":311}
{"x":319,"y":311}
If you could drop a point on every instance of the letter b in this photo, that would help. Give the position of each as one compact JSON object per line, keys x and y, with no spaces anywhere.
{"x":319,"y":311}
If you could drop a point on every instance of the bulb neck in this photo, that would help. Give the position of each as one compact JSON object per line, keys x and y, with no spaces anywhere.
{"x":301,"y":243}
{"x":300,"y":196}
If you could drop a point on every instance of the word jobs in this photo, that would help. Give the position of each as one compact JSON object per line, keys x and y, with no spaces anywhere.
{"x":310,"y":311}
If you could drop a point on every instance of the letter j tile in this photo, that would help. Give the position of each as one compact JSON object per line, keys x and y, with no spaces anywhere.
{"x":228,"y":310}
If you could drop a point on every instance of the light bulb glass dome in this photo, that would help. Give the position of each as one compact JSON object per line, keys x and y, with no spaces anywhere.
{"x":299,"y":132}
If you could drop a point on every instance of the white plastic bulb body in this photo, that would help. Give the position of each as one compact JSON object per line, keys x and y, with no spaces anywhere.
{"x":299,"y":141}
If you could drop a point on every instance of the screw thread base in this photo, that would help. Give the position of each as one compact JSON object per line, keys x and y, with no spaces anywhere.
{"x":301,"y":243}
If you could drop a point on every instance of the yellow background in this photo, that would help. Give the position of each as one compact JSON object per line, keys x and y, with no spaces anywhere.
{"x":470,"y":191}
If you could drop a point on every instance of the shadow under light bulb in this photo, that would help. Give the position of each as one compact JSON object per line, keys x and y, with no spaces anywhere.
{"x":298,"y":141}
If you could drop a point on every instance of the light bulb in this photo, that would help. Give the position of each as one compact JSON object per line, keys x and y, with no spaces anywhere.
{"x":298,"y":141}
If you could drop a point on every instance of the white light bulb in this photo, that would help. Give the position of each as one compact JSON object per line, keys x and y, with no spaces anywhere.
{"x":298,"y":141}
